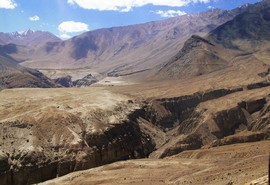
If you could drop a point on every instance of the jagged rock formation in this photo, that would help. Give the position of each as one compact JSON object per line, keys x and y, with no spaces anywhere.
{"x":65,"y":81}
{"x":27,"y":38}
{"x":85,"y":81}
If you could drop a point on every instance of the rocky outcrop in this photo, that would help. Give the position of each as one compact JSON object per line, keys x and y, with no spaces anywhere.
{"x":228,"y":121}
{"x":240,"y":138}
{"x":190,"y":142}
{"x":265,"y":74}
{"x":67,"y":149}
{"x":170,"y":112}
{"x":188,"y":124}
{"x":64,"y":81}
{"x":262,"y":121}
{"x":85,"y":81}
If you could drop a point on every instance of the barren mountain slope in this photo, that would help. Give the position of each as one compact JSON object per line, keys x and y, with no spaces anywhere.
{"x":129,"y":49}
{"x":13,"y":75}
{"x":247,"y":35}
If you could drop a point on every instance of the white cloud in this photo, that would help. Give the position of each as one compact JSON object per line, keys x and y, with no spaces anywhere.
{"x":71,"y":26}
{"x":170,"y":13}
{"x":34,"y":18}
{"x":202,"y":1}
{"x":210,"y":7}
{"x":65,"y":36}
{"x":7,"y":4}
{"x":127,"y":5}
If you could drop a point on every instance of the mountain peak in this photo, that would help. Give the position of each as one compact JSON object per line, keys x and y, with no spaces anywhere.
{"x":27,"y":37}
{"x":23,"y":33}
{"x":28,"y":32}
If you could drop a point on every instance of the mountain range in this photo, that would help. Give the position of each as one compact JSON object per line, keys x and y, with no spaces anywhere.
{"x":179,"y":47}
{"x":123,"y":50}
{"x":247,"y":35}
{"x":27,"y":38}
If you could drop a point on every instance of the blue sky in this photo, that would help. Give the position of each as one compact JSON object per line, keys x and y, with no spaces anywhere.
{"x":68,"y":18}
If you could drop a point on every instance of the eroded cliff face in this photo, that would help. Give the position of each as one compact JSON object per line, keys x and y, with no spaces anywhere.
{"x":67,"y":134}
{"x":61,"y":150}
{"x":41,"y":141}
{"x":212,"y":118}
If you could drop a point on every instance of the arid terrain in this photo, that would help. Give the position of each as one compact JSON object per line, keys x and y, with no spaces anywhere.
{"x":142,"y":104}
{"x":51,"y":132}
{"x":233,"y":164}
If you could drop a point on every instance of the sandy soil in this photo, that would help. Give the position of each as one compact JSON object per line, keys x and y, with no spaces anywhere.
{"x":233,"y":164}
{"x":16,"y":102}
